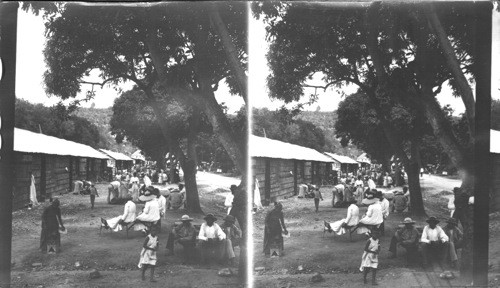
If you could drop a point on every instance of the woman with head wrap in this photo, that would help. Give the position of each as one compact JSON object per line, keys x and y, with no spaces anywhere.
{"x":51,"y":220}
{"x":274,"y":227}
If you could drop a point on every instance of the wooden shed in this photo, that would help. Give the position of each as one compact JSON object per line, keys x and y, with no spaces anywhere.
{"x":495,"y":170}
{"x":55,"y":163}
{"x":280,"y":167}
{"x":343,"y":163}
{"x":117,"y":160}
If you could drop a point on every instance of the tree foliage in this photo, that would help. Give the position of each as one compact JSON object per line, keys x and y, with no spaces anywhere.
{"x":56,"y":121}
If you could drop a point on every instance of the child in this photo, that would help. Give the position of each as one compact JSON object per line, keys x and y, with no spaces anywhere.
{"x":369,"y":260}
{"x":148,"y":255}
{"x":93,"y":193}
{"x":317,"y":197}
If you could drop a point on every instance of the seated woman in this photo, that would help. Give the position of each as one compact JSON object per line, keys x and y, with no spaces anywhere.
{"x":151,"y":212}
{"x":128,"y":216}
{"x":352,"y":219}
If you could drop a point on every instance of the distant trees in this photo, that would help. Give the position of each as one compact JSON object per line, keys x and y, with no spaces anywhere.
{"x":56,"y":121}
{"x":282,"y":125}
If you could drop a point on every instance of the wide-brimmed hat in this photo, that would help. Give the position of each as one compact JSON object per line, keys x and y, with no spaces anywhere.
{"x":369,"y":201}
{"x":148,"y":194}
{"x":408,"y":220}
{"x":399,"y":193}
{"x":432,"y":219}
{"x":229,"y":218}
{"x":210,"y":216}
{"x":186,"y":218}
{"x":452,"y":221}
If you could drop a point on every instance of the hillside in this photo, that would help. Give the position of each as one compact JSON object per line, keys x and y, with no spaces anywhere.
{"x":101,"y":118}
{"x":326,"y":121}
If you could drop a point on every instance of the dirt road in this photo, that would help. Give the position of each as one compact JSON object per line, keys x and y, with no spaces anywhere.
{"x":114,"y":255}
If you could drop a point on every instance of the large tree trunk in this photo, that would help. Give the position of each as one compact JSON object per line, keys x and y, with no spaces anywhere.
{"x":413,"y":171}
{"x":189,"y":167}
{"x":465,"y":217}
{"x":242,"y":212}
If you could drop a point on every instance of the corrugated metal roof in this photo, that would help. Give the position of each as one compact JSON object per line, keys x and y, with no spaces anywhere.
{"x":364,"y":159}
{"x":137,"y":155}
{"x":495,"y":141}
{"x":116,"y":155}
{"x":269,"y":148}
{"x":31,"y":142}
{"x":342,"y":159}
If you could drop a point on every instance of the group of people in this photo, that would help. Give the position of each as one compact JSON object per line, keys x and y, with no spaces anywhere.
{"x":217,"y":243}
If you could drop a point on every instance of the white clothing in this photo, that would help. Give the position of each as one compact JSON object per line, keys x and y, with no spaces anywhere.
{"x":149,"y":256}
{"x":134,"y":179}
{"x":213,"y":232}
{"x":373,"y":215}
{"x":151,"y":212}
{"x":451,"y":205}
{"x":385,"y":207}
{"x":352,"y":219}
{"x":436,"y":234}
{"x":370,"y":259}
{"x":358,"y":183}
{"x":256,"y":195}
{"x":147,"y":181}
{"x":371,"y":184}
{"x":229,"y":202}
{"x":162,"y":203}
{"x":33,"y":199}
{"x":127,"y":217}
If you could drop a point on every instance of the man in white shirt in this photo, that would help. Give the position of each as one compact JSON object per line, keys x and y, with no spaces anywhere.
{"x":230,"y":198}
{"x":211,"y":236}
{"x":127,"y":217}
{"x":434,"y":241}
{"x":162,"y":203}
{"x":385,"y":204}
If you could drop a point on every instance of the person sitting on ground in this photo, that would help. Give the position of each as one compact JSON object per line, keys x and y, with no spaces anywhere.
{"x":113,"y":191}
{"x":317,"y":198}
{"x":373,"y":217}
{"x":407,"y":238}
{"x":274,"y":229}
{"x":175,"y":199}
{"x":434,"y":241}
{"x":400,"y":202}
{"x":148,"y":255}
{"x":455,"y":236}
{"x":51,"y":223}
{"x":128,"y":217}
{"x":230,"y":198}
{"x":352,"y":219}
{"x":183,"y":234}
{"x":233,"y":237}
{"x":151,"y":212}
{"x":211,"y":237}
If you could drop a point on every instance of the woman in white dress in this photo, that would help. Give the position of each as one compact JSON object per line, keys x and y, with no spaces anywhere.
{"x":134,"y":181}
{"x":369,"y":260}
{"x":352,"y":219}
{"x":151,"y":211}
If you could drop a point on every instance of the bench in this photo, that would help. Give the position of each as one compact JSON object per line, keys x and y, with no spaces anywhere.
{"x":126,"y":225}
{"x":350,"y":229}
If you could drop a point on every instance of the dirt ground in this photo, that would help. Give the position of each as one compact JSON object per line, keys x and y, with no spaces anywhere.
{"x":112,"y":253}
{"x":338,"y":259}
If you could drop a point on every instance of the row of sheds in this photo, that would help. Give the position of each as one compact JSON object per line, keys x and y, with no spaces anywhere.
{"x":280,"y":167}
{"x":56,"y":163}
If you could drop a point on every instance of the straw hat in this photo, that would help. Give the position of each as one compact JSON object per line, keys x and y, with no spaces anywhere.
{"x":186,"y":218}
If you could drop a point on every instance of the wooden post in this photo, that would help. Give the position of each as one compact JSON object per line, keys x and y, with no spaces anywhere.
{"x":87,"y":168}
{"x":302,"y":171}
{"x":295,"y":188}
{"x":43,"y":176}
{"x":8,"y":36}
{"x":267,"y":181}
{"x":313,"y":176}
{"x":482,"y":159}
{"x":70,"y":173}
{"x":318,"y":175}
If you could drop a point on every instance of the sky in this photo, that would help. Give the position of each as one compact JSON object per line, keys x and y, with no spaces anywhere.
{"x":31,"y":66}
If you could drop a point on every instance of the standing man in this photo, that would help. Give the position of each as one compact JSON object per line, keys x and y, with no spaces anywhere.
{"x":230,"y":198}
